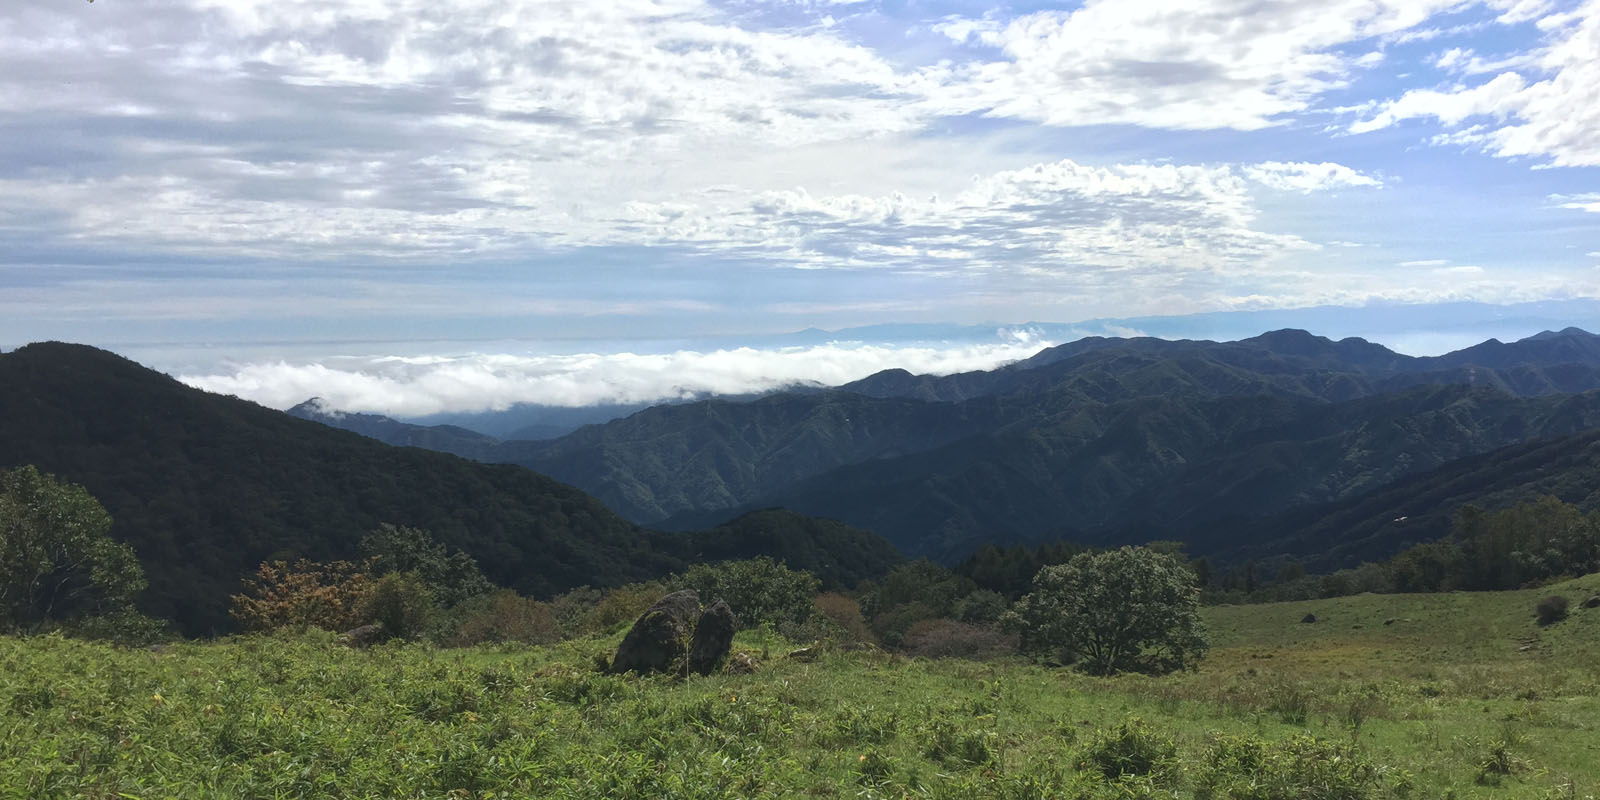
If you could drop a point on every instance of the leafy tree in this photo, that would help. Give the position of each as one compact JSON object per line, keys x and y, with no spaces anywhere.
{"x":402,"y":603}
{"x":758,"y":590}
{"x":56,"y":561}
{"x":332,"y":595}
{"x":451,"y":576}
{"x":1126,"y":609}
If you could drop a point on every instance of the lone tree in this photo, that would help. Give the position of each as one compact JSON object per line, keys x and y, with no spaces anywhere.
{"x":1131,"y":609}
{"x":56,"y":562}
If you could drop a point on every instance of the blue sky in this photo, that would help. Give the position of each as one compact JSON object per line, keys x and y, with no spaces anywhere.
{"x":240,"y":188}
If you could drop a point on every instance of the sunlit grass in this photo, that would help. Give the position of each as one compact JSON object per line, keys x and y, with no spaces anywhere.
{"x":1461,"y":695}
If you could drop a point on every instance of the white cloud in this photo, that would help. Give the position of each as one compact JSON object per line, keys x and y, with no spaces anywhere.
{"x":1427,"y":262}
{"x":1549,"y":110}
{"x":1177,"y":64}
{"x":1306,"y":177}
{"x":1055,"y":218}
{"x":1579,"y":202}
{"x":405,"y":386}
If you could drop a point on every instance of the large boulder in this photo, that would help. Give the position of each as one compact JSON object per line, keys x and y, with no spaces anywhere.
{"x":659,"y":640}
{"x":713,"y":638}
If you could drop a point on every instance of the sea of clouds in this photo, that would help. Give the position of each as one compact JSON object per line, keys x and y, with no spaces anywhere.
{"x":415,"y":386}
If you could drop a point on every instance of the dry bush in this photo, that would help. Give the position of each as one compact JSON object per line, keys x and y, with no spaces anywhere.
{"x":947,"y":638}
{"x":505,"y":616}
{"x":845,"y":613}
{"x":332,"y":596}
{"x":623,"y":605}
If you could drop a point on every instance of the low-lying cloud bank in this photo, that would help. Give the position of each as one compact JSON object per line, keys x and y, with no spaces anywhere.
{"x":406,"y":386}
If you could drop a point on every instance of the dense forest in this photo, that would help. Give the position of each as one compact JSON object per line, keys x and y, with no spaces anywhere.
{"x":1286,"y":441}
{"x":206,"y":487}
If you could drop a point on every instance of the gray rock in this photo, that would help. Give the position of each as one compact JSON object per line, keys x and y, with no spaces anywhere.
{"x":364,"y":636}
{"x":659,"y":640}
{"x":713,"y":638}
{"x":1309,"y":619}
{"x":1593,"y":602}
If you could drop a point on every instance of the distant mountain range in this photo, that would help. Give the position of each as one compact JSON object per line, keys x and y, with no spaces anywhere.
{"x":205,"y":487}
{"x":1103,"y":439}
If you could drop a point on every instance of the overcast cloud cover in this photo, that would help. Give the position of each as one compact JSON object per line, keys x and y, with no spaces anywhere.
{"x":243,"y":173}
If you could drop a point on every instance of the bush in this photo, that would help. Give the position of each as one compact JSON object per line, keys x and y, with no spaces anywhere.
{"x":981,"y":606}
{"x":759,"y":590}
{"x":1249,"y":768}
{"x":402,"y":604}
{"x":504,"y":616}
{"x":844,"y":614}
{"x":623,"y":605}
{"x":1126,"y":609}
{"x":947,"y":638}
{"x":57,"y":560}
{"x":331,"y":596}
{"x":452,"y":577}
{"x":1552,"y":609}
{"x":1131,"y":749}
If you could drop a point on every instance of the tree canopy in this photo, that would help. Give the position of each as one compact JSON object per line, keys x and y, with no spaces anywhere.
{"x":1130,"y":609}
{"x":56,"y":561}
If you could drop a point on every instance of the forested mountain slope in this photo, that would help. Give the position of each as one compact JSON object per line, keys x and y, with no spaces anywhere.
{"x":205,"y":487}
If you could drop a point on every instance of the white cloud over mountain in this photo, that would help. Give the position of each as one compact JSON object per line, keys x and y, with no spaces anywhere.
{"x":417,"y":386}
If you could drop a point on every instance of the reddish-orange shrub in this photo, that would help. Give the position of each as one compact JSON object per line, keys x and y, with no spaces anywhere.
{"x":328,"y":595}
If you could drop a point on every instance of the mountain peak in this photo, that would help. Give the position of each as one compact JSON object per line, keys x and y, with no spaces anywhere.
{"x":1570,"y":331}
{"x":315,"y":408}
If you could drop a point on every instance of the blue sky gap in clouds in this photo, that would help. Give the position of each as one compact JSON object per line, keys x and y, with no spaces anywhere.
{"x":231,"y":171}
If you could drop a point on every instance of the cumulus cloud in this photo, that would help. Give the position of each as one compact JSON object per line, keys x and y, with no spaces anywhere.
{"x":418,"y":386}
{"x":1048,"y":218}
{"x":1550,"y":109}
{"x":1306,"y":178}
{"x":1174,"y":64}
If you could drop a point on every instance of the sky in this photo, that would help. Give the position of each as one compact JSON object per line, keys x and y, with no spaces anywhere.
{"x":579,"y":202}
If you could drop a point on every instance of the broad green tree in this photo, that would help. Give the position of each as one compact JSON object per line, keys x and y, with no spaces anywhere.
{"x":450,"y":576}
{"x":1130,"y":609}
{"x":57,"y":562}
{"x":758,"y":590}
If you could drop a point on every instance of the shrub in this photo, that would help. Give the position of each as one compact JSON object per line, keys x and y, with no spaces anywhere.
{"x":1552,"y":609}
{"x":504,"y":616}
{"x":623,"y":605}
{"x":1125,"y":609}
{"x":947,"y":638}
{"x":758,"y":590}
{"x":947,"y":744}
{"x":451,"y":576}
{"x":845,"y":615}
{"x":890,"y":626}
{"x":1131,"y":749}
{"x":981,"y":606}
{"x":402,"y":604}
{"x":1249,"y":768}
{"x":57,"y":560}
{"x":329,"y":595}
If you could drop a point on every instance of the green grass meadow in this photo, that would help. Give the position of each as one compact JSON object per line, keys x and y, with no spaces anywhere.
{"x":1459,"y":695}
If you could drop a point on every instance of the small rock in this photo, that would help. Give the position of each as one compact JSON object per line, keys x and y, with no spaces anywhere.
{"x":364,"y":636}
{"x":1593,"y":602}
{"x":741,"y":664}
{"x":1391,"y":620}
{"x":1309,"y":619}
{"x":807,"y":654}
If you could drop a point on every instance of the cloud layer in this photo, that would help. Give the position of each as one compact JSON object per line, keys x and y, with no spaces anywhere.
{"x":418,"y":386}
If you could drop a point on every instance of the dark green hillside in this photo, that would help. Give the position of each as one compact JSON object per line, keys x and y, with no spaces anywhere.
{"x":1179,"y":468}
{"x":1112,"y":438}
{"x":841,"y":556}
{"x":205,"y":487}
{"x":1377,"y":524}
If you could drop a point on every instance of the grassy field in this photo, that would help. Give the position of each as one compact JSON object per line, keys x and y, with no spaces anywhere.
{"x":1458,"y":695}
